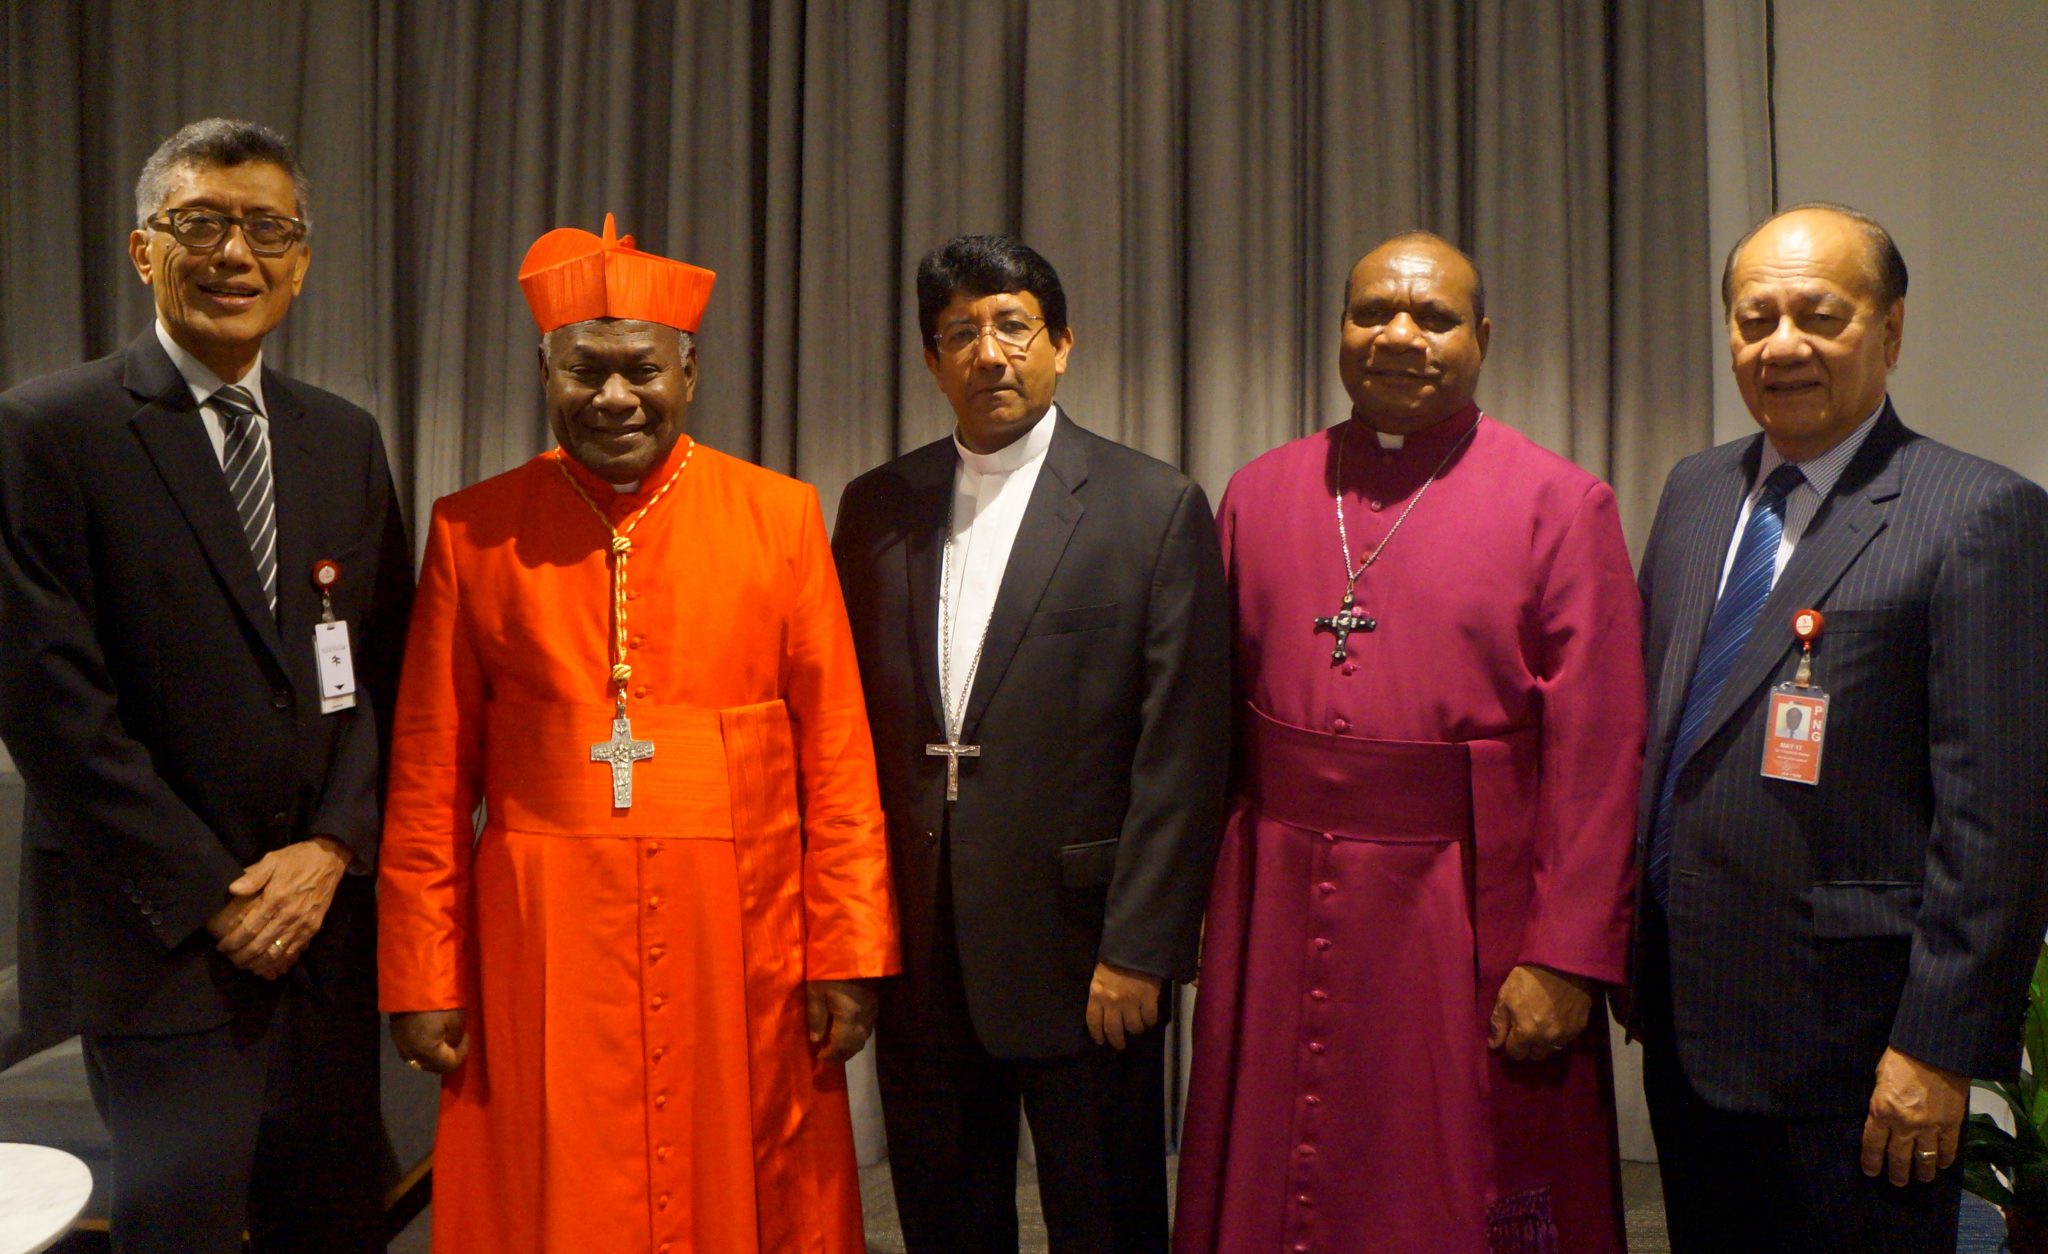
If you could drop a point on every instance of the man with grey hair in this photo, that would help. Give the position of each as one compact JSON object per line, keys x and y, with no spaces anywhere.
{"x":205,"y":581}
{"x":1831,"y":942}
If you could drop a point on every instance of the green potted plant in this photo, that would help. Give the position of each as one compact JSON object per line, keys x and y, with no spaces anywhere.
{"x":2010,"y":1169}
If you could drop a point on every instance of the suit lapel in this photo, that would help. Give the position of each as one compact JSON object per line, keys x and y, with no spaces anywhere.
{"x":1705,"y":546}
{"x":174,"y":436}
{"x":295,"y":475}
{"x":1049,"y":520}
{"x":1848,"y":521}
{"x":931,"y":486}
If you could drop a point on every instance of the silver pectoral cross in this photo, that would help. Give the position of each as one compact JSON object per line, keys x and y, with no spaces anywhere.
{"x":952,"y":751}
{"x":621,"y":752}
{"x":1345,"y":621}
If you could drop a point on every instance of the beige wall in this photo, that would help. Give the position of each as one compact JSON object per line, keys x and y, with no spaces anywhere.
{"x":1934,"y":117}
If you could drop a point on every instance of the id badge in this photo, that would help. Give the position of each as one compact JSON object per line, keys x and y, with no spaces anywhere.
{"x":1796,"y":722}
{"x":337,"y":667}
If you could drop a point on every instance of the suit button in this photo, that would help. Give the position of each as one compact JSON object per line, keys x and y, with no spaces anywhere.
{"x":931,"y":839}
{"x":280,"y":819}
{"x":156,"y":919}
{"x":135,"y":895}
{"x":280,"y":700}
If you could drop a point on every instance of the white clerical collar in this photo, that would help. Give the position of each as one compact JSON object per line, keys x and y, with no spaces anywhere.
{"x":200,"y":377}
{"x":1015,"y":455}
{"x":1389,"y":440}
{"x":1823,"y":472}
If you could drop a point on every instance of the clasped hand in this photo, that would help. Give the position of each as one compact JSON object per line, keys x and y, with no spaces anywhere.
{"x":278,"y":904}
{"x":1121,"y":1004}
{"x":1538,"y":1013}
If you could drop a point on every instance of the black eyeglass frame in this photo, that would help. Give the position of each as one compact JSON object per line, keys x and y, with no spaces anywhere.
{"x":178,"y":223}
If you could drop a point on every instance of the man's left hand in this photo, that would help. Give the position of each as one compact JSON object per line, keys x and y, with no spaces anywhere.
{"x":1538,"y":1012}
{"x":1121,"y":1004}
{"x":1916,"y":1118}
{"x":841,"y":1015}
{"x":293,"y":887}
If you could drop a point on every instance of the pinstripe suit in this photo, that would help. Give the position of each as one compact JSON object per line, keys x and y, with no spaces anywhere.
{"x":1901,"y":900}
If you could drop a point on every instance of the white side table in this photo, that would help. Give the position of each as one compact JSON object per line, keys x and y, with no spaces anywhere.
{"x":42,"y":1191}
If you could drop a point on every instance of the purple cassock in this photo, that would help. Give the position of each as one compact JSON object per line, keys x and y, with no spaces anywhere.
{"x":1454,"y":797}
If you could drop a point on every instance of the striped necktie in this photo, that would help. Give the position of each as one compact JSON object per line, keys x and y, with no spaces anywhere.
{"x":1742,"y":598}
{"x":245,"y":460}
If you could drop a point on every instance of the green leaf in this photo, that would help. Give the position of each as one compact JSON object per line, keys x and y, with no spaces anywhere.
{"x":1979,"y":1179}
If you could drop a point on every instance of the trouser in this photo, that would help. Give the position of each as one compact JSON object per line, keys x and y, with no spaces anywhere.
{"x":1754,"y":1184}
{"x":1097,"y":1123}
{"x":269,"y":1122}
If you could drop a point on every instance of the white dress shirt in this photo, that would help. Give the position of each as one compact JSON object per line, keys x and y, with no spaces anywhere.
{"x":1820,"y":476}
{"x":990,"y":491}
{"x":204,"y":383}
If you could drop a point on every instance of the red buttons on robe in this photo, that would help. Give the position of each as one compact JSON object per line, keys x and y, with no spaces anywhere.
{"x":653,"y":849}
{"x":1329,"y":836}
{"x":1312,"y":1100}
{"x":661,"y":1153}
{"x":661,"y":1203}
{"x":1319,"y":995}
{"x":1340,"y":725}
{"x":1305,"y":1150}
{"x":1302,"y":1199}
{"x":659,"y":1054}
{"x":658,"y":1001}
{"x":655,"y":954}
{"x":1316,"y":1047}
{"x":1326,"y":888}
{"x":641,"y":691}
{"x":654,"y":902}
{"x":1322,"y":942}
{"x":1350,"y":668}
{"x":1376,"y":506}
{"x":661,"y":1101}
{"x":636,"y":642}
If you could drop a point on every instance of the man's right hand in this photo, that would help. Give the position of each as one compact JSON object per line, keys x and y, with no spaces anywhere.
{"x":431,"y":1040}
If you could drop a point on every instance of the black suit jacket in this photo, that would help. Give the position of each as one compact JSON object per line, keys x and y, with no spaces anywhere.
{"x":1901,"y":900}
{"x":1087,"y":828}
{"x":167,"y":727}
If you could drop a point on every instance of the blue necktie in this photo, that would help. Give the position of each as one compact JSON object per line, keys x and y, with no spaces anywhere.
{"x":1742,"y":599}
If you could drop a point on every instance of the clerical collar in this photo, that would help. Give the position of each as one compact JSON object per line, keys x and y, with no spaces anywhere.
{"x":616,"y":494}
{"x":200,"y":377}
{"x":1015,"y":455}
{"x":1436,"y":438}
{"x":1823,"y":472}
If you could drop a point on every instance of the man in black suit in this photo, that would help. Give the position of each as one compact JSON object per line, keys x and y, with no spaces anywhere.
{"x":202,"y":790}
{"x":1043,"y":639}
{"x":1823,"y":964}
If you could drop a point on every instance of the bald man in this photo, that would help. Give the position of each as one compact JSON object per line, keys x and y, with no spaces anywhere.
{"x":1831,"y":946}
{"x":1424,"y":885}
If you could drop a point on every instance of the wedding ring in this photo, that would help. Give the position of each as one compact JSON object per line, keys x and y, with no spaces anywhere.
{"x":414,"y":1063}
{"x":1924,"y":1155}
{"x":277,"y":946}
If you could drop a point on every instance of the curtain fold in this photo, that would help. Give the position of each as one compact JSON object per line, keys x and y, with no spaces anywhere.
{"x":1201,"y":173}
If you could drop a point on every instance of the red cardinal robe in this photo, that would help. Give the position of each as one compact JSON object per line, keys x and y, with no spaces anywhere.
{"x":640,"y":1077}
{"x":1453,"y":798}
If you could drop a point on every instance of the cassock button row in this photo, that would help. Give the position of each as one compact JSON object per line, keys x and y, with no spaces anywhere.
{"x":1301,"y":1247}
{"x":661,"y":1203}
{"x":1328,"y":837}
{"x":1322,"y":942}
{"x":1318,"y":995}
{"x":654,"y":902}
{"x":1316,"y":1047}
{"x":1340,"y":725}
{"x":1305,"y":1150}
{"x":661,"y":1153}
{"x":641,"y":692}
{"x":659,"y":1054}
{"x":655,"y":954}
{"x":1302,"y":1199}
{"x":1311,"y":1100}
{"x":1350,"y":668}
{"x":636,"y":642}
{"x":1376,"y":506}
{"x":661,"y":1101}
{"x":654,"y":847}
{"x":1326,"y":888}
{"x":658,"y":1001}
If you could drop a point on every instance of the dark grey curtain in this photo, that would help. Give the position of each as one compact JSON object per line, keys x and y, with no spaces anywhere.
{"x":1201,"y":173}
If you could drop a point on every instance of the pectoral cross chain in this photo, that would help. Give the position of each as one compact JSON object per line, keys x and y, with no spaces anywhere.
{"x":1345,"y":621}
{"x":952,"y":751}
{"x":621,"y":752}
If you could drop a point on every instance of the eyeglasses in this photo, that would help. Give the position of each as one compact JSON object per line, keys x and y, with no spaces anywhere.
{"x":1013,"y":333}
{"x":267,"y":234}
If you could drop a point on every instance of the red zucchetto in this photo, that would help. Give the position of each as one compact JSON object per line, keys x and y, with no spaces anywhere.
{"x":574,"y":276}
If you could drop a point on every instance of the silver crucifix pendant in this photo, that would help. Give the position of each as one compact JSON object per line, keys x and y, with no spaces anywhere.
{"x":621,"y":752}
{"x":952,"y":751}
{"x":1345,"y":621}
